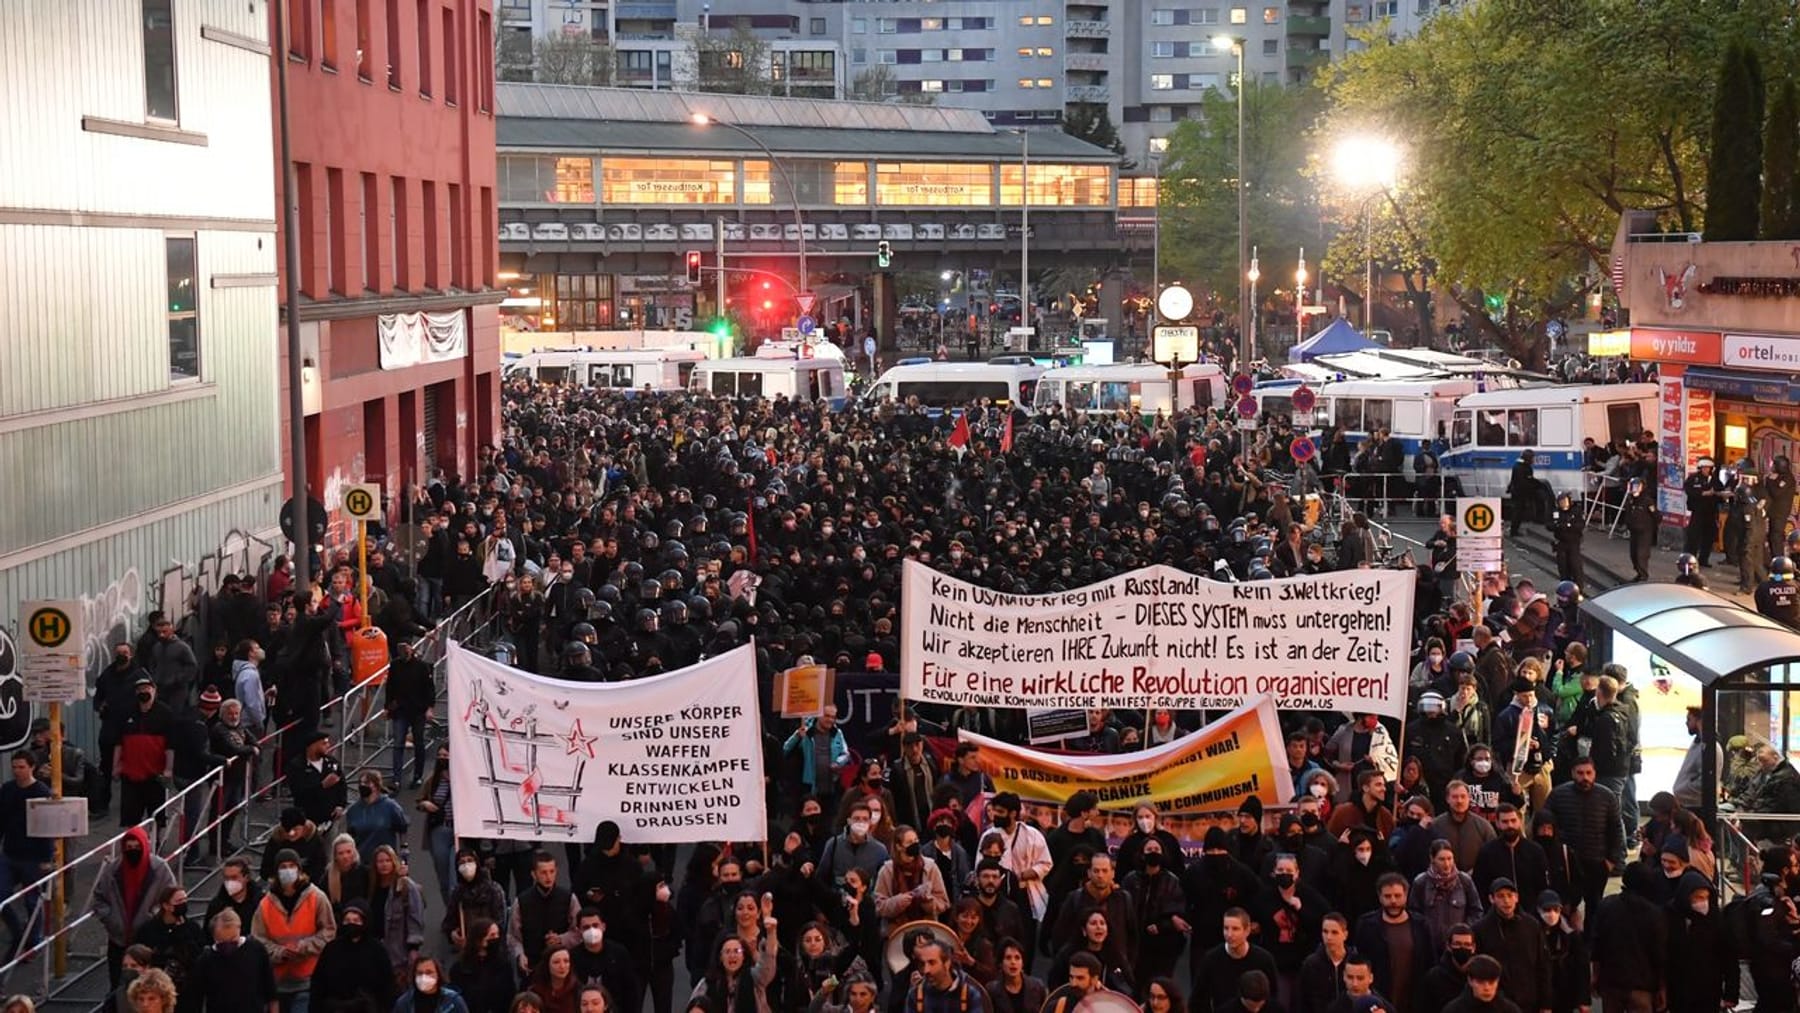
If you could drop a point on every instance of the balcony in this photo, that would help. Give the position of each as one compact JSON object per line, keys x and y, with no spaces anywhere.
{"x":664,"y":11}
{"x":1309,"y":25}
{"x":1097,"y":93}
{"x":1089,"y":29}
{"x":1085,"y":62}
{"x":1307,"y":59}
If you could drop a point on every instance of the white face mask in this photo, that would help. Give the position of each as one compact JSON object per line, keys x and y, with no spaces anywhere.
{"x":235,"y":887}
{"x":425,"y":982}
{"x":287,"y":876}
{"x":466,"y":870}
{"x":859,"y":828}
{"x":1482,"y":766}
{"x":1319,"y":790}
{"x":1146,"y":823}
{"x":1701,"y":906}
{"x":1364,"y":857}
{"x":592,"y":935}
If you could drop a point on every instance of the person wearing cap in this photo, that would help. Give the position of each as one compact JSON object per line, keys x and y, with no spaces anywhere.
{"x":316,"y":781}
{"x":1571,"y":972}
{"x":171,"y":660}
{"x":1642,"y":517}
{"x":294,"y":831}
{"x":1704,"y":493}
{"x":354,"y":971}
{"x":294,"y":922}
{"x":144,"y":757}
{"x":1482,"y":994}
{"x":1214,"y":884}
{"x":1438,"y":742}
{"x":1524,"y":737}
{"x":1516,"y":939}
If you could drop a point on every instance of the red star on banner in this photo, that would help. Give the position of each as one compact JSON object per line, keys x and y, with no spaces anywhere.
{"x":580,"y":743}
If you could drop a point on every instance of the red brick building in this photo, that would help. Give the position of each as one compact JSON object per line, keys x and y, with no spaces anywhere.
{"x":391,"y":106}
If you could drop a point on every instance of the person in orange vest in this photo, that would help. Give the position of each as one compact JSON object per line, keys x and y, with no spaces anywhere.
{"x":126,"y":895}
{"x":294,"y":922}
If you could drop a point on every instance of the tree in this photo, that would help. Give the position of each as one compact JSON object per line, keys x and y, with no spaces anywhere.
{"x":737,"y":64}
{"x":1781,"y":163}
{"x":571,"y":59}
{"x":878,"y":84}
{"x":1092,"y":123}
{"x":513,"y":55}
{"x":1393,"y":238}
{"x":1199,"y":203}
{"x":1733,"y":187}
{"x":1523,"y":164}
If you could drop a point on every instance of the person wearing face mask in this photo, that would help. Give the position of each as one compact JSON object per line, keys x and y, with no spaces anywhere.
{"x":177,"y":942}
{"x":908,"y":888}
{"x":602,"y":959}
{"x":1162,"y":926}
{"x":1145,"y":828}
{"x":429,"y":993}
{"x":946,"y":852}
{"x":1290,"y":914}
{"x":144,"y":757}
{"x":125,"y":895}
{"x":1702,"y":967}
{"x":354,"y":974}
{"x":1025,"y":854}
{"x":239,"y":891}
{"x":230,"y":976}
{"x":1489,"y":786}
{"x":1628,"y":936}
{"x":375,"y":820}
{"x":1447,"y":978}
{"x":855,"y":848}
{"x":1214,"y":884}
{"x":1571,"y":973}
{"x":475,"y":896}
{"x":1437,"y":742}
{"x":483,"y":973}
{"x":294,"y":922}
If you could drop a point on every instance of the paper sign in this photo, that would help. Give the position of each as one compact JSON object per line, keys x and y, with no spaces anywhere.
{"x":802,"y":692}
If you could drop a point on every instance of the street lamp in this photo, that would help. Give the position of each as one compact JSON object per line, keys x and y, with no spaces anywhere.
{"x":1367,"y":163}
{"x":1025,"y":233}
{"x":1227,"y":43}
{"x":704,"y":120}
{"x":1255,"y":275}
{"x":1300,"y":299}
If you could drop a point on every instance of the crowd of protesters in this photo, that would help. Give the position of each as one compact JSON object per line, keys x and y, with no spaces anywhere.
{"x":1463,"y":865}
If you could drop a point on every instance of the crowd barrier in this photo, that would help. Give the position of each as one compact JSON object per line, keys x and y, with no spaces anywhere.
{"x":181,"y":824}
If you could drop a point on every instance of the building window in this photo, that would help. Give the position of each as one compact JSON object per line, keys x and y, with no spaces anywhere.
{"x":1271,"y":15}
{"x":1162,"y":50}
{"x":859,"y":55}
{"x":484,"y":237}
{"x":859,"y":26}
{"x":423,"y":22}
{"x":931,"y":56}
{"x":1162,"y":82}
{"x":335,"y":237}
{"x":450,"y":50}
{"x":931,"y":24}
{"x":667,"y":181}
{"x":1269,"y":46}
{"x":815,"y":26}
{"x":582,"y":302}
{"x":1044,"y":51}
{"x":1162,"y":16}
{"x":1059,"y":185}
{"x":889,"y":57}
{"x":546,"y":179}
{"x":885,"y":26}
{"x":936,"y":184}
{"x":328,"y":34}
{"x":159,"y":60}
{"x":1158,"y":145}
{"x":364,"y":36}
{"x":1355,"y":12}
{"x":458,"y":263}
{"x":393,"y":44}
{"x":1045,"y":20}
{"x":931,"y":86}
{"x":369,"y":221}
{"x":1205,"y":16}
{"x":1044,"y":82}
{"x":1161,"y":114}
{"x":183,"y":308}
{"x":429,"y":211}
{"x":484,"y":69}
{"x":1240,"y":16}
{"x":1387,"y":8}
{"x":300,"y":30}
{"x":1202,"y":82}
{"x":1026,"y":82}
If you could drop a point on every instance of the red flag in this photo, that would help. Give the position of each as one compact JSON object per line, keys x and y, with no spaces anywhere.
{"x":750,"y":528}
{"x":1006,"y":435}
{"x":959,"y":437}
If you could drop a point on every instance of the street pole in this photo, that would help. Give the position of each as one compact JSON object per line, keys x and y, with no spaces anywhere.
{"x":1249,"y":349}
{"x":1255,"y":275}
{"x":59,"y":908}
{"x":1369,"y":266}
{"x":1156,"y":242}
{"x":291,"y":296}
{"x":701,"y":119}
{"x":719,"y":275}
{"x":1025,"y":234}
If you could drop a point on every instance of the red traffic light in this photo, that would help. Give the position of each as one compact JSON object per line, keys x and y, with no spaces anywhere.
{"x":768,"y":304}
{"x":693,"y":267}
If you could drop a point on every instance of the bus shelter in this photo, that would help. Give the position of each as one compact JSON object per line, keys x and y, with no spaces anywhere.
{"x":1684,"y":647}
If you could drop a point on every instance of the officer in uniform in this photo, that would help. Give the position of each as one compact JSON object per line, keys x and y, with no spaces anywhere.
{"x":1778,"y":494}
{"x":1779,"y":597}
{"x":1641,"y":519}
{"x":1566,"y":528}
{"x":578,"y":663}
{"x":1687,"y":571}
{"x":1749,"y":511}
{"x":1703,"y":494}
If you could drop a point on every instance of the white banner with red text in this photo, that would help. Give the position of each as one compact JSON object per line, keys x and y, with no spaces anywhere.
{"x":1161,"y":637}
{"x":671,"y":759}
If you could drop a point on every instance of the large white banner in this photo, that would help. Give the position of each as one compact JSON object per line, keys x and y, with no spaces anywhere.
{"x":1161,"y":637}
{"x":670,"y":759}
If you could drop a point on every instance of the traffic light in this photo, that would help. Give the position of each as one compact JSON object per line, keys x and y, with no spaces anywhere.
{"x":693,"y":267}
{"x":884,"y":254}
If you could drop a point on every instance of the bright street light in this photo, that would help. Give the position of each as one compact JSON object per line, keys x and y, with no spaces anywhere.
{"x":1224,"y":43}
{"x":1232,"y":44}
{"x":947,"y":275}
{"x":1373,"y":164}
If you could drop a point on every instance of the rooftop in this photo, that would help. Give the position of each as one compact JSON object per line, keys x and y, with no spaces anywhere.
{"x":577,"y":118}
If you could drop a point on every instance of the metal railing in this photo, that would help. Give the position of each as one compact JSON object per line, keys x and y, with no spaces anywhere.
{"x":176,"y":842}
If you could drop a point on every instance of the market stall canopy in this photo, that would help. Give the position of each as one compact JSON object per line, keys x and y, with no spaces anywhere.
{"x":1704,"y":635}
{"x":1336,"y":338}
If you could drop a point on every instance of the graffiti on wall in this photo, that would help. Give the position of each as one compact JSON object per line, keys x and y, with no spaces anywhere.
{"x":110,"y":618}
{"x":15,"y":715}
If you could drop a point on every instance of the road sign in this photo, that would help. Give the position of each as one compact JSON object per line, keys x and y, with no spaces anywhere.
{"x":1171,"y":343}
{"x":806,"y":325}
{"x":1302,"y":449}
{"x":363,"y":502}
{"x":1303,"y":398}
{"x":52,"y":658}
{"x":1246,"y":407}
{"x":807,"y":301}
{"x":315,"y":520}
{"x":1243,"y":384}
{"x":1477,"y":516}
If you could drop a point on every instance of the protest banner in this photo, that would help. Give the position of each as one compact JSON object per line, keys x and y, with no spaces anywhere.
{"x":1044,"y":726}
{"x":1211,"y":770}
{"x":803,"y":691}
{"x":671,"y":759}
{"x":1161,"y":637}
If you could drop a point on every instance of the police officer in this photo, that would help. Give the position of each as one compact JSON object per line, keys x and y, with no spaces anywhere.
{"x":1566,"y":529}
{"x":1778,"y":496}
{"x":1687,"y":571}
{"x":1779,"y":597}
{"x":1703,"y":493}
{"x":1748,"y":510}
{"x":1641,"y":519}
{"x":578,"y":665}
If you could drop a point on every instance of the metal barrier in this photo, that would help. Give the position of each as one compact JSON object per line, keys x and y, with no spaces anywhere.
{"x":467,"y":623}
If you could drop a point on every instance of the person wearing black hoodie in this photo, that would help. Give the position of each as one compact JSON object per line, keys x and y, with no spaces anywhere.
{"x":1251,"y":846}
{"x":1563,"y":869}
{"x":1702,"y":969}
{"x":1215,"y":884}
{"x":354,"y":974}
{"x":1630,"y":941}
{"x":1315,"y":863}
{"x":1446,"y":980}
{"x":1516,"y":939}
{"x":1482,"y":993}
{"x":1571,"y":976}
{"x":239,"y":891}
